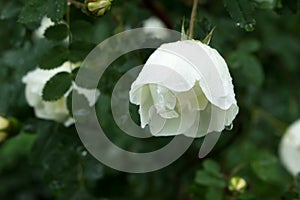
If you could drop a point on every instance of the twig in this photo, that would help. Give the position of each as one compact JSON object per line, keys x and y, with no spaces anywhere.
{"x":76,"y":3}
{"x":193,"y":19}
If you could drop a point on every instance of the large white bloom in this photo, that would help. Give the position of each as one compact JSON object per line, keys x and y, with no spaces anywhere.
{"x":154,"y":22}
{"x":183,"y":85}
{"x":56,"y":110}
{"x":289,"y":148}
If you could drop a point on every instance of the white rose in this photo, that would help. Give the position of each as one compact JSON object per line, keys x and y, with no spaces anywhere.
{"x":154,"y":22}
{"x":56,"y":110}
{"x":183,"y":85}
{"x":289,"y":148}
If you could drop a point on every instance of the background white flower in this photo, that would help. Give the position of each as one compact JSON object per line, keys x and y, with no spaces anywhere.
{"x":183,"y":85}
{"x":154,"y":22}
{"x":56,"y":110}
{"x":45,"y":23}
{"x":289,"y":148}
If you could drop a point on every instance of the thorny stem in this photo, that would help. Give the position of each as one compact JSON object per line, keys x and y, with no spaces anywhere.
{"x":193,"y":19}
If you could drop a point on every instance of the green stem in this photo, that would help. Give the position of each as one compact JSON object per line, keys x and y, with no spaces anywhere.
{"x":69,"y":27}
{"x":260,"y":113}
{"x":193,"y":19}
{"x":76,"y":3}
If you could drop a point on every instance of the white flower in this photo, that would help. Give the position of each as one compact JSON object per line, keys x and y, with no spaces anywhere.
{"x":289,"y":148}
{"x":56,"y":110}
{"x":45,"y":23}
{"x":154,"y":22}
{"x":184,"y":85}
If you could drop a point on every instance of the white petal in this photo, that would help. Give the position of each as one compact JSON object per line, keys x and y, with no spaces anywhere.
{"x":289,"y":149}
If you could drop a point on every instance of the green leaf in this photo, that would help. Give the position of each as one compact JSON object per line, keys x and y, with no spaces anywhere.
{"x":34,"y":10}
{"x":252,"y":69}
{"x":268,"y":168}
{"x":56,"y":32}
{"x":10,"y":10}
{"x":249,"y":46}
{"x":79,"y":50}
{"x":287,"y":6}
{"x":206,"y":179}
{"x":80,"y":98}
{"x":57,"y":86}
{"x":212,"y":167}
{"x":213,"y":194}
{"x":54,"y":58}
{"x":241,"y":11}
{"x":297,"y":182}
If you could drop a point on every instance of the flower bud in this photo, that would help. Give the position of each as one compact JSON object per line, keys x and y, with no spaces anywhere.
{"x":4,"y":123}
{"x":98,"y":7}
{"x":9,"y":127}
{"x":3,"y":136}
{"x":237,"y":184}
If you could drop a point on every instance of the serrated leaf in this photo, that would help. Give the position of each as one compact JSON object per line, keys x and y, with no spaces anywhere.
{"x":54,"y":58}
{"x":241,"y":11}
{"x":57,"y":86}
{"x":56,"y":32}
{"x":34,"y":10}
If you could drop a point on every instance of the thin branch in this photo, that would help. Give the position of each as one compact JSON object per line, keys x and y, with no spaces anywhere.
{"x":76,"y":3}
{"x":193,"y":19}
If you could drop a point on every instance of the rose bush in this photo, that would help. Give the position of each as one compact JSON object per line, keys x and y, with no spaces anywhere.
{"x":183,"y":85}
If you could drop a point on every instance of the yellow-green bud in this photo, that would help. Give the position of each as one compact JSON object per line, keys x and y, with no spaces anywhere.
{"x":98,"y":7}
{"x":4,"y":123}
{"x":3,"y":136}
{"x":237,"y":184}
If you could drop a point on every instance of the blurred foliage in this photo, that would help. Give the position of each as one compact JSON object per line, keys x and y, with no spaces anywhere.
{"x":259,"y":39}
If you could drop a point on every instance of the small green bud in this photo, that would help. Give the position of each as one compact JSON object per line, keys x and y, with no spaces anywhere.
{"x":8,"y":127}
{"x":4,"y":123}
{"x":3,"y":136}
{"x":98,"y":7}
{"x":237,"y":184}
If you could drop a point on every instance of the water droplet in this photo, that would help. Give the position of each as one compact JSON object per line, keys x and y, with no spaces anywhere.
{"x":84,"y":153}
{"x":229,"y":128}
{"x":249,"y":27}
